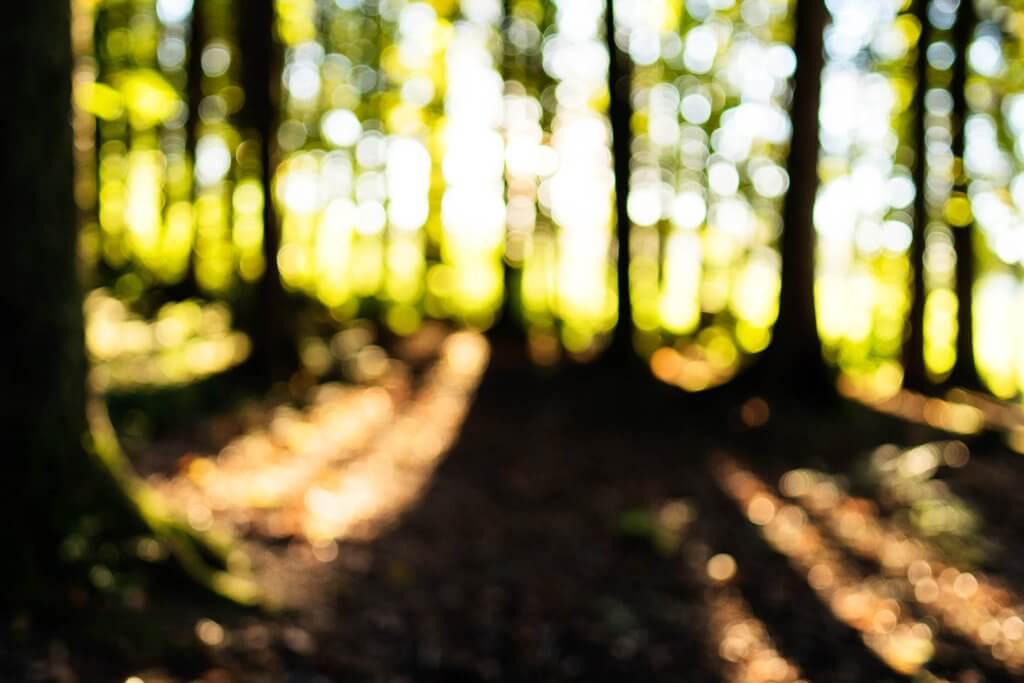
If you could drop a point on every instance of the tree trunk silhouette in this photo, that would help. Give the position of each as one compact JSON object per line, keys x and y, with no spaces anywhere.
{"x":188,"y":286}
{"x":273,"y":353}
{"x":965,"y":373}
{"x":45,"y":368}
{"x":508,"y":324}
{"x":62,"y":479}
{"x":194,"y":74}
{"x":620,"y":113}
{"x":793,"y":362}
{"x":915,"y":374}
{"x":52,"y":482}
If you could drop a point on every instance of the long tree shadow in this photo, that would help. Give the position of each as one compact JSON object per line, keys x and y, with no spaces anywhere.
{"x":516,"y":563}
{"x":804,"y":629}
{"x":955,"y":653}
{"x":534,"y":553}
{"x":990,"y":485}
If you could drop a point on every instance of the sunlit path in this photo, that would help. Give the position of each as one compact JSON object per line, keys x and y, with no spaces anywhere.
{"x":345,"y":466}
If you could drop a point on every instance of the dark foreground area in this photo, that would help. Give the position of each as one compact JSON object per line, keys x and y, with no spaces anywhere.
{"x":585,"y":527}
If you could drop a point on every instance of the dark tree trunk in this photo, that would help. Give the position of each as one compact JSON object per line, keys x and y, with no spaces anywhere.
{"x":61,"y":480}
{"x":915,"y":374}
{"x":793,"y":363}
{"x":964,"y":373}
{"x":188,"y":286}
{"x":508,"y":324}
{"x":273,"y":352}
{"x":620,"y":114}
{"x":50,"y":479}
{"x":194,"y":74}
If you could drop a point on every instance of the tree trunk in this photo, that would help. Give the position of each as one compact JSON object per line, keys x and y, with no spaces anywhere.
{"x":44,"y":368}
{"x":964,"y":373}
{"x":273,"y":353}
{"x":793,"y":362}
{"x":188,"y":287}
{"x":61,"y":479}
{"x":915,"y":374}
{"x":620,"y":114}
{"x":194,"y":73}
{"x":55,"y":486}
{"x":508,"y":324}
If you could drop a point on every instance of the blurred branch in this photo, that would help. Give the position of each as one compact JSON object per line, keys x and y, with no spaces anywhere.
{"x":185,"y":543}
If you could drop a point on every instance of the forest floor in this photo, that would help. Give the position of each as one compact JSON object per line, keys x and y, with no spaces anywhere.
{"x":462,"y":516}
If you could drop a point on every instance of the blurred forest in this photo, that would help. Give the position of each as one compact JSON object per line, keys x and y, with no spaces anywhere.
{"x":429,"y":161}
{"x":514,"y":340}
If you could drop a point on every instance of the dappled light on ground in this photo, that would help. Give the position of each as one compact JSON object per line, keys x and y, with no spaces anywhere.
{"x":981,"y":609}
{"x":400,"y":464}
{"x":951,"y":416}
{"x":866,"y":603}
{"x":960,"y":411}
{"x":999,"y":415}
{"x":345,"y":466}
{"x":410,"y":522}
{"x":744,"y":641}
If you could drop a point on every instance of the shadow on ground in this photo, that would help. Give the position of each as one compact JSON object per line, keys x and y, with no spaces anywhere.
{"x":539,"y":552}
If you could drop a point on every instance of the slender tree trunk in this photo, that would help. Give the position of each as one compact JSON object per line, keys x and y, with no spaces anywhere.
{"x":620,"y":113}
{"x":188,"y":286}
{"x":47,"y":472}
{"x":793,"y":361}
{"x":507,"y":323}
{"x":915,"y":374}
{"x":194,"y":73}
{"x":273,"y":353}
{"x":964,"y":373}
